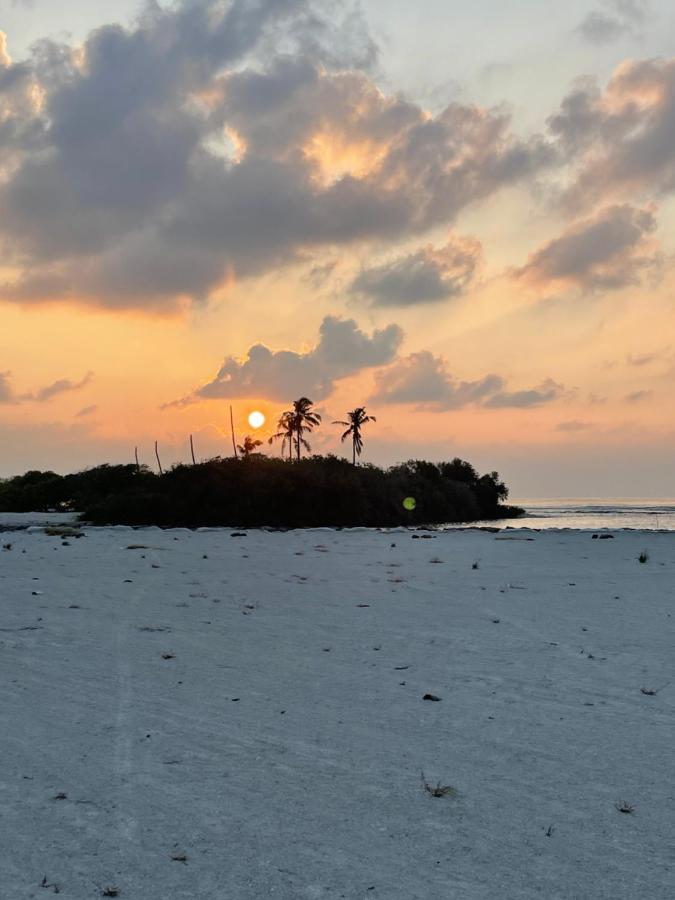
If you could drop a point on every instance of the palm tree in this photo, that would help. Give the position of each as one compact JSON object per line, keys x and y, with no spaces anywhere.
{"x":285,"y":433}
{"x":303,"y":420}
{"x":356,"y":418}
{"x":249,"y":447}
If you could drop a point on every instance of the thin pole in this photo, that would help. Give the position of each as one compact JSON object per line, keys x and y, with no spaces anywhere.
{"x":234,"y":443}
{"x":192,"y":451}
{"x":138,"y":465}
{"x":161,"y":471}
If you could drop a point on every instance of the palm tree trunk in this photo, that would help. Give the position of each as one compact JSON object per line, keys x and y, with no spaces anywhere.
{"x":354,"y":450}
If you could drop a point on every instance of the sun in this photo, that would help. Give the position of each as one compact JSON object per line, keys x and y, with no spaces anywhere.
{"x":256,"y":419}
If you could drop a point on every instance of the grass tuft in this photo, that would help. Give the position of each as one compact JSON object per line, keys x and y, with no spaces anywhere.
{"x":439,"y":790}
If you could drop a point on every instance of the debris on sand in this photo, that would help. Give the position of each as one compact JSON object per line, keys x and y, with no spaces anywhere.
{"x":625,"y":807}
{"x":63,"y":531}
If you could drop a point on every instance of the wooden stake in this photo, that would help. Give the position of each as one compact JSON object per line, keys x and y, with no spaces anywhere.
{"x":192,"y":451}
{"x":234,"y":443}
{"x":161,"y":471}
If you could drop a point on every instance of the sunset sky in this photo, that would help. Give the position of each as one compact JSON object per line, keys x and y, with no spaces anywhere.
{"x":461,"y":216}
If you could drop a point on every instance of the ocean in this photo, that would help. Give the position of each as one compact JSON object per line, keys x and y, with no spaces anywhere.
{"x":594,"y":513}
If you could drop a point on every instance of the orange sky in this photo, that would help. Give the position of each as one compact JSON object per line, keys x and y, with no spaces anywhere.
{"x":489,"y":287}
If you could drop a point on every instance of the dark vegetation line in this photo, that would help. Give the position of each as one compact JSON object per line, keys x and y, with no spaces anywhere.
{"x":257,"y":490}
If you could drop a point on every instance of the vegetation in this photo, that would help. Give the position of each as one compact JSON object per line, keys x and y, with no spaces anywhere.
{"x":285,"y":433}
{"x":249,"y":447}
{"x":295,"y":423}
{"x":356,"y":419}
{"x":319,"y":490}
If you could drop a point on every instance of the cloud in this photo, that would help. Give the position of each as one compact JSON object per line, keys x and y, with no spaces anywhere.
{"x":62,"y":386}
{"x":207,"y":142}
{"x":573,"y":426}
{"x":620,"y":139}
{"x":319,"y":274}
{"x":342,"y":350}
{"x":42,"y":395}
{"x":608,"y":251}
{"x":638,"y":396}
{"x":619,"y":18}
{"x":548,"y":391}
{"x":86,"y":411}
{"x":424,"y":380}
{"x":426,"y":276}
{"x":6,"y":390}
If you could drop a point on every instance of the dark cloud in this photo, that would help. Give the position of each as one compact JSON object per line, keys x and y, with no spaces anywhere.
{"x":609,"y":251}
{"x":428,"y":275}
{"x":424,"y":380}
{"x":620,"y":139}
{"x":342,"y":350}
{"x":617,"y":19}
{"x":210,"y":141}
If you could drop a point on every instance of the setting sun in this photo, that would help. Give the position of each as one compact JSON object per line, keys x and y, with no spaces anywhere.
{"x":256,"y":419}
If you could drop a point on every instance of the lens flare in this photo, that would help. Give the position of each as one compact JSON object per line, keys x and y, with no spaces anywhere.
{"x":409,"y":503}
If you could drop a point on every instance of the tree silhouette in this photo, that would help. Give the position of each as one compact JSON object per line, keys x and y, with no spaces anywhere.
{"x":303,"y":419}
{"x":356,"y":418}
{"x":285,"y":433}
{"x":249,"y":447}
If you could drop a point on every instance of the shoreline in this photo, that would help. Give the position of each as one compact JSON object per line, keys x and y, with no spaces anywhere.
{"x":16,"y":522}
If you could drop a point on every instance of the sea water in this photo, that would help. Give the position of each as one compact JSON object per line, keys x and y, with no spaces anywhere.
{"x":593,"y":513}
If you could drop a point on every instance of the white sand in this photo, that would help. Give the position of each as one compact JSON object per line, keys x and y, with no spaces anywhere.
{"x":281,"y":748}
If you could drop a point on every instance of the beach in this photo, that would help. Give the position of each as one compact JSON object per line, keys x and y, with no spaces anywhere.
{"x":222,"y":714}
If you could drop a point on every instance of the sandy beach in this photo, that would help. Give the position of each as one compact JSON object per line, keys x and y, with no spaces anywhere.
{"x":223,"y":715}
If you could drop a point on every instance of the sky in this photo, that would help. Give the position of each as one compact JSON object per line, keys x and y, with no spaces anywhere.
{"x":460,"y":216}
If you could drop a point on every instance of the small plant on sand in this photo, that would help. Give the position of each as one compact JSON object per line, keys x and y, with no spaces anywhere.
{"x":439,"y":790}
{"x":643,"y":557}
{"x":625,"y":807}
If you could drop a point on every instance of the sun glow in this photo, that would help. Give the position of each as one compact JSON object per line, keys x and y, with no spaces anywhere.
{"x":256,"y":419}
